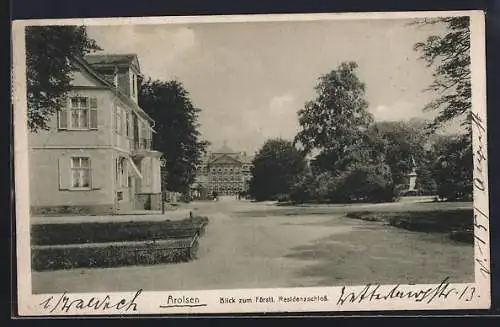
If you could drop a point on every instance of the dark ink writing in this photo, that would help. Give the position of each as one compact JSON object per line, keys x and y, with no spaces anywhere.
{"x":64,"y":303}
{"x":372,"y":292}
{"x":481,"y":219}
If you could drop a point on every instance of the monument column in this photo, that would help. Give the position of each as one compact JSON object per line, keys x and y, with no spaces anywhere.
{"x":412,"y":176}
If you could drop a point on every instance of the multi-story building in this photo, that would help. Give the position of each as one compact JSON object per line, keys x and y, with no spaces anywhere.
{"x":96,"y":157}
{"x":224,"y":171}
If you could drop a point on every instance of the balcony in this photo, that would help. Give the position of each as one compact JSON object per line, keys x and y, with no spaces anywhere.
{"x":140,"y":146}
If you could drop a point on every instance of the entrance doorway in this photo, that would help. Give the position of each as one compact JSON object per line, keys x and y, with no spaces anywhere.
{"x":131,"y":195}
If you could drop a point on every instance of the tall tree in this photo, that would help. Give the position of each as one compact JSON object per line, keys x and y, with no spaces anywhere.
{"x":333,"y":121}
{"x":451,"y":170}
{"x":49,"y":50}
{"x":404,"y":146}
{"x":276,"y":167}
{"x":177,"y":136}
{"x":449,"y":55}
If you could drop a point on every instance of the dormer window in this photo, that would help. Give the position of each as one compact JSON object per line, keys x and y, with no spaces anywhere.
{"x":134,"y":84}
{"x":115,"y":77}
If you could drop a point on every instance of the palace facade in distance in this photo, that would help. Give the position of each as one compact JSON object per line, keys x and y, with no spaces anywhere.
{"x":224,"y":171}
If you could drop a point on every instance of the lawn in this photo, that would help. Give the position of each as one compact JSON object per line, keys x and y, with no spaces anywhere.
{"x":260,"y":245}
{"x":457,"y":223}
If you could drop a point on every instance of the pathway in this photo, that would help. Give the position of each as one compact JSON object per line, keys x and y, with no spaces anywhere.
{"x":249,"y":245}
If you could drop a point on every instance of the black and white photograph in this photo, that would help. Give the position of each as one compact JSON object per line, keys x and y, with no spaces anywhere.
{"x":216,"y":162}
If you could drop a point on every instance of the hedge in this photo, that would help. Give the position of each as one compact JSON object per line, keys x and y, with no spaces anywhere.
{"x":72,"y":233}
{"x":435,"y":221}
{"x":422,"y":221}
{"x":113,"y":255}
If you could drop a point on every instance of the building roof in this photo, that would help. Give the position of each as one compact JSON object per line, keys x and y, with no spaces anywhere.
{"x":224,"y":149}
{"x":246,"y":159}
{"x":237,"y":156}
{"x":101,"y":60}
{"x":85,"y":65}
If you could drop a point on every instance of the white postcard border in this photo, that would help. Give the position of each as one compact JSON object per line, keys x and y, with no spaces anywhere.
{"x":316,"y":299}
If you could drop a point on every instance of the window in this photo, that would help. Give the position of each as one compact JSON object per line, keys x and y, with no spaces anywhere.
{"x":82,"y":114}
{"x":80,"y":172}
{"x":62,"y":116}
{"x":121,"y":172}
{"x":115,"y":77}
{"x":117,"y":172}
{"x":79,"y":113}
{"x":134,"y":81}
{"x":127,"y":124}
{"x":118,"y":120}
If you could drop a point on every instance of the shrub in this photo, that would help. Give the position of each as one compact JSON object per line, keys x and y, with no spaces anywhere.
{"x":71,"y":233}
{"x":304,"y":189}
{"x":68,"y":257}
{"x":366,"y":183}
{"x":282,"y":197}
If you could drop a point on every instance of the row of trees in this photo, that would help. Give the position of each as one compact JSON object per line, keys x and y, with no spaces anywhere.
{"x":177,"y":134}
{"x":376,"y":169}
{"x":50,"y":52}
{"x":358,"y":159}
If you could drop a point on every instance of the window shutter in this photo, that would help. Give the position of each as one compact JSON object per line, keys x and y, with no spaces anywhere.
{"x":64,"y":173}
{"x":115,"y":118}
{"x":62,"y":115}
{"x":132,"y":131}
{"x":93,"y":113}
{"x":124,"y":122}
{"x":97,"y":173}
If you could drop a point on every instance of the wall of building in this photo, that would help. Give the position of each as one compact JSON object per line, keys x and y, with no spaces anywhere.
{"x":226,"y":173}
{"x":102,"y":145}
{"x":50,"y":182}
{"x":151,"y":175}
{"x":148,"y":201}
{"x":134,"y":91}
{"x":78,"y":138}
{"x":124,"y":81}
{"x":124,"y":183}
{"x":119,"y":138}
{"x":225,"y":179}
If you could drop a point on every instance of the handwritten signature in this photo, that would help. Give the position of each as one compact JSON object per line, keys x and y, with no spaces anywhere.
{"x":372,"y":292}
{"x":64,"y":303}
{"x":481,"y":218}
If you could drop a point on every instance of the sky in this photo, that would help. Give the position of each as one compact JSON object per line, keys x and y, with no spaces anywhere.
{"x":251,"y":78}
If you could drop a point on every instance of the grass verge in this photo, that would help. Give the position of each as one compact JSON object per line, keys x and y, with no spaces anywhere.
{"x":457,"y":223}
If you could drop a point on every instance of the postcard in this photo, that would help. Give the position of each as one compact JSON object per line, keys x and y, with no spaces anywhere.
{"x":251,"y":163}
